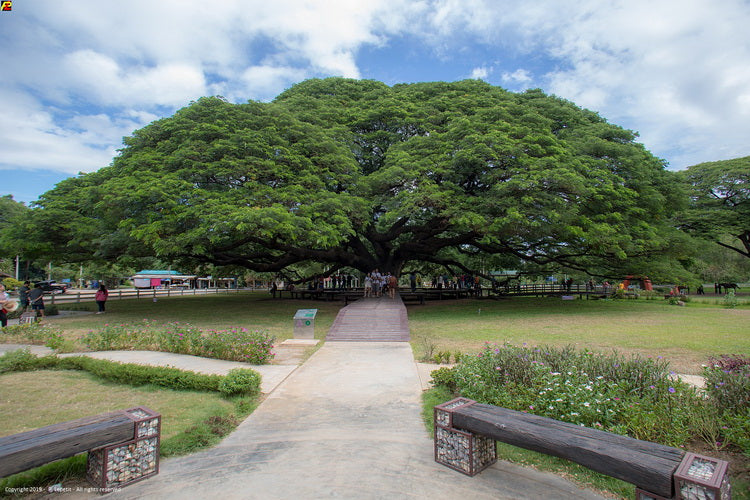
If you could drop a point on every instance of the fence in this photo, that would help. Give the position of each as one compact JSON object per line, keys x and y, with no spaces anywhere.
{"x":78,"y":296}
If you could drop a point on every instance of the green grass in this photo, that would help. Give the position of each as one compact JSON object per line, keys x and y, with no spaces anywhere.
{"x":251,"y":310}
{"x":686,"y":336}
{"x":38,"y":398}
{"x":191,"y":420}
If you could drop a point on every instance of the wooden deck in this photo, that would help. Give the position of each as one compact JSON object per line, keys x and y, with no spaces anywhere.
{"x":371,"y":320}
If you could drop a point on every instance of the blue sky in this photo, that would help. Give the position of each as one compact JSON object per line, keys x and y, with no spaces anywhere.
{"x":76,"y":77}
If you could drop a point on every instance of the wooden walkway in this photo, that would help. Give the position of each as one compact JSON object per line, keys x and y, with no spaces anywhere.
{"x":371,"y":320}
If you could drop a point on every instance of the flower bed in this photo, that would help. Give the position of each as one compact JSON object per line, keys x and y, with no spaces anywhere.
{"x":627,"y":395}
{"x":234,"y":344}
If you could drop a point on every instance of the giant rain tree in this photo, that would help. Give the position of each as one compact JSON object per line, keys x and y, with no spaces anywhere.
{"x":356,"y":173}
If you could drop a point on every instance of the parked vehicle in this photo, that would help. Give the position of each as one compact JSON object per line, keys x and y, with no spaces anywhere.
{"x":52,"y":287}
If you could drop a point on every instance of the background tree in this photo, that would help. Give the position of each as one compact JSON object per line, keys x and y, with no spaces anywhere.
{"x":720,"y":203}
{"x":353,"y":173}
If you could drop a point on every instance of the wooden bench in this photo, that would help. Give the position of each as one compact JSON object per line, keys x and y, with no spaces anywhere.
{"x":651,"y":467}
{"x":118,"y":429}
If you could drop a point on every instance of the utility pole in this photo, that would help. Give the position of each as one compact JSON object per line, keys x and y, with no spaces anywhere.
{"x":18,"y":260}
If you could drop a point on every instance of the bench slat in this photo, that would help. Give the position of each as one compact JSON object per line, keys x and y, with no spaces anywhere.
{"x":647,"y":465}
{"x":30,"y":449}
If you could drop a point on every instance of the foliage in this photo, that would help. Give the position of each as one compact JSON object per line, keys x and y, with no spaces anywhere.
{"x":52,"y":473}
{"x":204,"y":434}
{"x":11,"y":283}
{"x":728,"y":388}
{"x":22,"y":360}
{"x":633,"y":395}
{"x":444,"y":377}
{"x":38,"y":334}
{"x":240,"y":381}
{"x":244,"y":381}
{"x":720,"y":194}
{"x":234,"y":344}
{"x":355,"y":173}
{"x":730,"y":300}
{"x":11,"y":211}
{"x":728,"y":382}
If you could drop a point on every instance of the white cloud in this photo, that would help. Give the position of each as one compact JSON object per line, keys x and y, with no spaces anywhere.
{"x":104,"y":81}
{"x":518,"y":77}
{"x":34,"y":138}
{"x":266,"y":82}
{"x":480,"y":73}
{"x":677,"y":71}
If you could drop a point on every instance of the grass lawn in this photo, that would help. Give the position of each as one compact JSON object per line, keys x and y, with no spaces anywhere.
{"x":686,"y":336}
{"x":251,"y":310}
{"x":39,"y":398}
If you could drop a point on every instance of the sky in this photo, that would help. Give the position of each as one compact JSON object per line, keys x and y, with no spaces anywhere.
{"x":77,"y":77}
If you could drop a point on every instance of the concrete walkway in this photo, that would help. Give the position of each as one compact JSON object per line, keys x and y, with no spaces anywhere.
{"x":345,"y":424}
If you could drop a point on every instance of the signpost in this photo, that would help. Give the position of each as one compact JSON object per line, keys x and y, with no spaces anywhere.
{"x":304,"y":323}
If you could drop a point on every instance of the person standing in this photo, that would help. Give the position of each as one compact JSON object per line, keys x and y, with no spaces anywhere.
{"x":36,"y":299}
{"x":3,"y":311}
{"x":23,"y":296}
{"x":101,"y":298}
{"x":413,"y":282}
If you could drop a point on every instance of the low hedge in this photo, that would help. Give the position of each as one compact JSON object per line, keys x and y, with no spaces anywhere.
{"x":238,"y":382}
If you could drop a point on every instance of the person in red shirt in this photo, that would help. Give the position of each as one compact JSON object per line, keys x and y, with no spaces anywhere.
{"x":101,"y":298}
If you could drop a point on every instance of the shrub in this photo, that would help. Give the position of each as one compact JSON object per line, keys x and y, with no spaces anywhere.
{"x":17,"y":361}
{"x":444,"y":377}
{"x":132,"y":374}
{"x":238,"y":344}
{"x":235,"y":344}
{"x":730,"y":300}
{"x":728,"y":382}
{"x":634,"y":395}
{"x":240,"y":381}
{"x":37,"y":333}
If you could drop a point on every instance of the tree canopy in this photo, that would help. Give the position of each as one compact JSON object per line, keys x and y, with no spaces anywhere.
{"x":720,"y":203}
{"x":359,"y":174}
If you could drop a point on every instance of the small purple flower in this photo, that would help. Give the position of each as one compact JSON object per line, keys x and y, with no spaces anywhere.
{"x":672,"y":390}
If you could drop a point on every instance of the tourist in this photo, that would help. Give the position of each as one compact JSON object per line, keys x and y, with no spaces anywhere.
{"x":36,"y":299}
{"x":101,"y":298}
{"x":368,"y":285}
{"x":376,"y":283}
{"x":23,"y":295}
{"x":4,"y":298}
{"x":392,"y":286}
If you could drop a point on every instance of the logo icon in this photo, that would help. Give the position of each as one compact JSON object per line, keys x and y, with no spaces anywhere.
{"x":6,"y":5}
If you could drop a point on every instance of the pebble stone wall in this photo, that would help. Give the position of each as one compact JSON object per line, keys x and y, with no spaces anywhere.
{"x":120,"y":464}
{"x":460,"y":450}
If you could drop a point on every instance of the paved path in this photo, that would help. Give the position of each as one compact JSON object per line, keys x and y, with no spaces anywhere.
{"x":345,"y":424}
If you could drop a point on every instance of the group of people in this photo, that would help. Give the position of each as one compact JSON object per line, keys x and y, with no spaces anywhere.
{"x":34,"y":297}
{"x":27,"y":296}
{"x":376,"y":284}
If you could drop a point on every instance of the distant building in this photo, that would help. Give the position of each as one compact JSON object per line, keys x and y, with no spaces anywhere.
{"x":150,"y":278}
